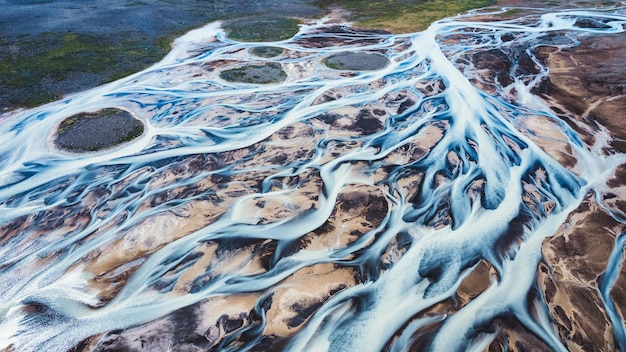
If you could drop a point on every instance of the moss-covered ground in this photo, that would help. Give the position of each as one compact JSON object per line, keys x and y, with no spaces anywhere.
{"x":261,"y":29}
{"x":401,"y":16}
{"x":34,"y":69}
{"x":356,"y":61}
{"x":93,"y":131}
{"x":266,"y":51}
{"x":39,"y":68}
{"x":255,"y":74}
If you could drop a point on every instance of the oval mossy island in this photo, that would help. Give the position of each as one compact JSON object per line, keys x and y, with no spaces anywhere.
{"x":266,"y":51}
{"x":356,"y":61}
{"x":261,"y":29}
{"x":256,"y":74}
{"x":97,"y":130}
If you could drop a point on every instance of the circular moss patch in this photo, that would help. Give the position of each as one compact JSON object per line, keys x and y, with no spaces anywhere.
{"x":261,"y":29}
{"x":266,"y":51}
{"x":257,"y":74}
{"x":102,"y":129}
{"x":356,"y":61}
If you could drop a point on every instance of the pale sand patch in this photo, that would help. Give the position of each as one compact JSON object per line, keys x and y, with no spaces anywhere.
{"x":232,"y":305}
{"x":348,"y":220}
{"x":549,"y":137}
{"x":145,"y":238}
{"x":307,"y":286}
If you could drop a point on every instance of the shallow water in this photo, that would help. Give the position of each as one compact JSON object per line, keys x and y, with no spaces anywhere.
{"x":380,"y":190}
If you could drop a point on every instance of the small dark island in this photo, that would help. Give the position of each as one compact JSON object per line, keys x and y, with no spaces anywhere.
{"x":356,"y":61}
{"x":256,"y":74}
{"x":266,"y":51}
{"x":97,"y":130}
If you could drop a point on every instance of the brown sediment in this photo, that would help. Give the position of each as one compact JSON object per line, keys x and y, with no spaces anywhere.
{"x":479,"y":279}
{"x":499,"y":65}
{"x":113,"y":264}
{"x":549,"y":137}
{"x":409,"y":185}
{"x":587,"y":81}
{"x":585,"y":87}
{"x":511,"y":335}
{"x":268,"y":208}
{"x":296,"y":298}
{"x":606,"y":112}
{"x":358,"y":210}
{"x":201,"y":325}
{"x":615,"y":196}
{"x":345,"y":121}
{"x":574,"y":260}
{"x":428,"y":137}
{"x":532,"y":197}
{"x":207,"y":255}
{"x":476,"y":282}
{"x":143,"y":239}
{"x":336,"y":40}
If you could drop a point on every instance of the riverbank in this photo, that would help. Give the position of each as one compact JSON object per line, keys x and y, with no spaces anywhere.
{"x":51,"y":48}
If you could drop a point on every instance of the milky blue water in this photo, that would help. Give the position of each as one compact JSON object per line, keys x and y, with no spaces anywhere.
{"x":462,"y":182}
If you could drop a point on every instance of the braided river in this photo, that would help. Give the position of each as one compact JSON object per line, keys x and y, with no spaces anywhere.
{"x":338,"y":210}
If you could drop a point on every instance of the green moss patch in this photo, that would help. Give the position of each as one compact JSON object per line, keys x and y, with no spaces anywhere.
{"x":356,"y":61}
{"x":261,"y":29}
{"x":401,"y":16}
{"x":93,"y":131}
{"x":35,"y":70}
{"x":256,"y":74}
{"x":266,"y":51}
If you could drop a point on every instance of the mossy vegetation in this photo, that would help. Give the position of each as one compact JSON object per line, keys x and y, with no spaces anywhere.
{"x":513,"y":13}
{"x":356,"y":61}
{"x":401,"y":16}
{"x":93,"y":131}
{"x":42,"y":68}
{"x":256,"y":74}
{"x":266,"y":51}
{"x":34,"y":69}
{"x":261,"y":29}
